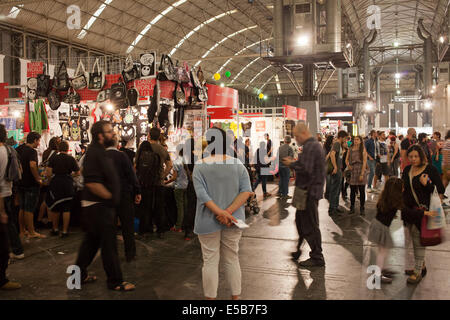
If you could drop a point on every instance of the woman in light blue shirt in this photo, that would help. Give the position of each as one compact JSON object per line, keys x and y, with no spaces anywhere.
{"x":222,"y":186}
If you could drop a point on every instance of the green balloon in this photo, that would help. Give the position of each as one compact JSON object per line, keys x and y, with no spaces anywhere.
{"x":228,"y":74}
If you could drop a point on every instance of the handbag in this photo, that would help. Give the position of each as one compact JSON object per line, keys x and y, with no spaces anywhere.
{"x":132,"y":96}
{"x":130,"y":72}
{"x":80,"y":79}
{"x":182,"y":73}
{"x":118,"y":94}
{"x":103,"y":95}
{"x":166,"y":69}
{"x":427,"y":237}
{"x":147,"y":64}
{"x":153,"y":108}
{"x":61,"y":80}
{"x":71,"y":97}
{"x":96,"y":78}
{"x":54,"y":100}
{"x":179,"y":95}
{"x":203,"y":94}
{"x":43,"y":84}
{"x":300,"y":198}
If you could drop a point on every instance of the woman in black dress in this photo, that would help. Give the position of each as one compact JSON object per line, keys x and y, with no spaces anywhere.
{"x":419,"y":178}
{"x":61,"y":189}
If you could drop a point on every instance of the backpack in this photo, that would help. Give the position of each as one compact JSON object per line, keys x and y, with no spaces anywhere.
{"x":13,"y":168}
{"x":148,"y":168}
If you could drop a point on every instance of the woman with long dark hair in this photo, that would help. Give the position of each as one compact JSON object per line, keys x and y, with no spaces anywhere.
{"x":420,"y":180}
{"x":357,"y":164}
{"x":389,"y":203}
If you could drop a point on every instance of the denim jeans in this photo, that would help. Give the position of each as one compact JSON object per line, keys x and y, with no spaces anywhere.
{"x":285,"y":173}
{"x":371,"y":164}
{"x":335,"y":190}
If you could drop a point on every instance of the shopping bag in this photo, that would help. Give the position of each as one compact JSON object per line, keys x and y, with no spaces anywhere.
{"x":438,"y":221}
{"x":430,"y":237}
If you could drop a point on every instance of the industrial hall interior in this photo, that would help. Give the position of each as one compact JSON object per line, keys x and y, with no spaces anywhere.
{"x":224,"y":150}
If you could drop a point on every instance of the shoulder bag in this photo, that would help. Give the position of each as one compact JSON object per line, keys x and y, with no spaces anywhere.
{"x":54,"y":100}
{"x":166,"y":69}
{"x":427,"y":237}
{"x":96,"y":77}
{"x":80,"y":79}
{"x":118,"y":94}
{"x":71,"y":97}
{"x":43,"y":83}
{"x":130,"y":72}
{"x":61,"y":78}
{"x":300,"y":198}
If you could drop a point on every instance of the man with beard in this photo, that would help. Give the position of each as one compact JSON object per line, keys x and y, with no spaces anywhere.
{"x":100,"y":196}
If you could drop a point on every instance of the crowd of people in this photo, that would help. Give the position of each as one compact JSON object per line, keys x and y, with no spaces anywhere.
{"x":112,"y":186}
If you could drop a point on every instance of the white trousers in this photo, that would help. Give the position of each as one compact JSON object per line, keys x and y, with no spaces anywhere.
{"x":221,"y":244}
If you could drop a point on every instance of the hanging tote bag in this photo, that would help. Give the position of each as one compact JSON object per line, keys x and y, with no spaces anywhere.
{"x":80,"y":80}
{"x":130,"y":72}
{"x":118,"y":94}
{"x":437,"y":222}
{"x":43,"y":83}
{"x":61,"y":78}
{"x":54,"y":100}
{"x":71,"y":97}
{"x":96,"y":77}
{"x":166,"y":69}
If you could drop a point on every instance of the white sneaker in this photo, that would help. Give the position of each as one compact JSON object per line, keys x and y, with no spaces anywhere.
{"x":369,"y":190}
{"x":16,"y":257}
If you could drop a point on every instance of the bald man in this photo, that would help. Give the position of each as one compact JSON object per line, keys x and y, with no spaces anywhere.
{"x":409,"y":140}
{"x":310,"y":176}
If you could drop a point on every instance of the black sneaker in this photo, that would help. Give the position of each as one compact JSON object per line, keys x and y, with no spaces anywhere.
{"x":54,"y":233}
{"x":311,"y":263}
{"x":64,"y":234}
{"x":352,"y":210}
{"x":362,"y":211}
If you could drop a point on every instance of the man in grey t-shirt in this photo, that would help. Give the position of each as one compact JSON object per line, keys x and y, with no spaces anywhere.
{"x":285,"y":173}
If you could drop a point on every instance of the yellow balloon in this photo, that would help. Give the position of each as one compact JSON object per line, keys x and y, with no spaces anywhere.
{"x":261,"y":95}
{"x":217,"y":76}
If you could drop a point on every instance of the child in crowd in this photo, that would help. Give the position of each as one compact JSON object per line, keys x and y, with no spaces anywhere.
{"x":389,"y":203}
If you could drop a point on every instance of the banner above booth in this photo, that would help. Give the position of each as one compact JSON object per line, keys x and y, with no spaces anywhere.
{"x":222,"y":96}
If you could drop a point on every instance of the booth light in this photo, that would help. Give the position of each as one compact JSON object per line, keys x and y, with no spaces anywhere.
{"x":397,"y":75}
{"x":303,"y":40}
{"x":428,"y":105}
{"x":109,"y":107}
{"x":396,"y":44}
{"x":222,"y":85}
{"x":398,"y":92}
{"x":369,"y":106}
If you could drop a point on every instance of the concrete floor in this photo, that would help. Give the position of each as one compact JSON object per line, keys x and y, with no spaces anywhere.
{"x":171,"y":268}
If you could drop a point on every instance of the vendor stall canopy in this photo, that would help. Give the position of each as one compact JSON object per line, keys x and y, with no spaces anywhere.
{"x":219,"y":36}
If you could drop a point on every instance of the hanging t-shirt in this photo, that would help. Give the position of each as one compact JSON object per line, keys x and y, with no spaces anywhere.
{"x":53,"y":122}
{"x":38,"y":117}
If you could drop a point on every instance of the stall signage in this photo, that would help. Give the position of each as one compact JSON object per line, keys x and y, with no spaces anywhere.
{"x":220,"y":112}
{"x":260,"y":126}
{"x":3,"y":112}
{"x":34,"y":68}
{"x":145,"y":87}
{"x":301,"y":114}
{"x":222,"y":97}
{"x":290,"y":112}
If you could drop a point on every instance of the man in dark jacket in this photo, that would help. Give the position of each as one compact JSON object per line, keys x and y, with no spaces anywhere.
{"x":130,"y":193}
{"x":101,"y":195}
{"x":310,"y":176}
